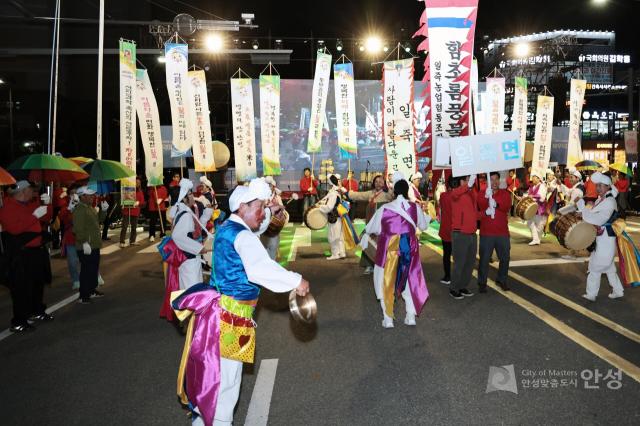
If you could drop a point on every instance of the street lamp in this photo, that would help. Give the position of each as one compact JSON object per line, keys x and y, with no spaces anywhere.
{"x":522,"y":50}
{"x":599,"y":2}
{"x":214,"y":43}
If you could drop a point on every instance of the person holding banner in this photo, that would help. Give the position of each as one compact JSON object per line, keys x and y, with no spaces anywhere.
{"x":309,"y":187}
{"x":537,"y":191}
{"x":464,"y":241}
{"x":494,"y":207}
{"x":602,"y":259}
{"x":328,"y":205}
{"x":398,"y":270}
{"x":158,"y":197}
{"x":130,"y":217}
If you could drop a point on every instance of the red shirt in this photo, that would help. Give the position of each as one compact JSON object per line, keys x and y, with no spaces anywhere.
{"x":590,"y":189}
{"x":350,"y":184}
{"x":174,"y":183}
{"x":445,"y":216}
{"x":622,"y":185}
{"x":513,"y":183}
{"x":17,"y":218}
{"x":163,"y":194}
{"x":464,"y":216}
{"x":305,"y":184}
{"x":499,"y":225}
{"x":567,"y":182}
{"x":66,"y":218}
{"x":135,"y":211}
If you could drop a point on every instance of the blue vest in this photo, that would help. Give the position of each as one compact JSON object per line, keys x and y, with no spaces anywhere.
{"x":228,"y":272}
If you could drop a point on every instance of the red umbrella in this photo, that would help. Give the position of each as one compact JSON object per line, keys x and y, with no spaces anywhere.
{"x":6,"y":178}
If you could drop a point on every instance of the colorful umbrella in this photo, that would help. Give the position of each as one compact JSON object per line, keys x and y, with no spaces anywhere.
{"x":45,"y":168}
{"x":102,"y":170}
{"x":81,"y":160}
{"x":6,"y":178}
{"x":588,"y":165}
{"x":621,"y":167}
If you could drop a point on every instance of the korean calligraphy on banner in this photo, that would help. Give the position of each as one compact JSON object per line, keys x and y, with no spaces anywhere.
{"x":397,"y":117}
{"x":519,"y":117}
{"x":494,"y":152}
{"x":176,"y":61}
{"x":495,"y":105}
{"x":345,"y":109}
{"x":542,"y":140}
{"x":449,"y":27}
{"x":202,"y":147}
{"x":244,"y":138}
{"x":576,"y":99}
{"x":149,"y":120}
{"x":128,"y":118}
{"x":270,"y":124}
{"x":319,"y":101}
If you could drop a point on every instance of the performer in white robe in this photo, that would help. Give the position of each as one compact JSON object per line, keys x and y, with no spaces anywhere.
{"x":189,"y":235}
{"x":537,"y":191}
{"x":602,"y":260}
{"x":334,"y":230}
{"x":271,"y":244}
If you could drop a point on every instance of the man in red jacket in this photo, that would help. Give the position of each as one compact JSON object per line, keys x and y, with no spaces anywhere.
{"x":22,"y":219}
{"x":130,"y":216}
{"x":494,"y":209}
{"x":158,"y":197}
{"x":464,"y":241}
{"x":445,"y":231}
{"x":308,"y":187}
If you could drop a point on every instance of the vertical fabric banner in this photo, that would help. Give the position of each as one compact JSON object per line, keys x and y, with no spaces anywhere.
{"x":542,"y":142}
{"x":244,"y":138}
{"x":149,"y":120}
{"x":473,"y":118}
{"x":202,"y":146}
{"x":576,"y":99}
{"x":397,"y":117}
{"x":631,"y":145}
{"x":448,"y":27}
{"x":495,"y":105}
{"x":128,"y":118}
{"x":176,"y":62}
{"x":319,"y":101}
{"x":519,"y":117}
{"x":345,"y":109}
{"x":270,"y":124}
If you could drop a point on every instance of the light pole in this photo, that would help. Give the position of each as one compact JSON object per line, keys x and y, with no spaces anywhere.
{"x":11,"y":152}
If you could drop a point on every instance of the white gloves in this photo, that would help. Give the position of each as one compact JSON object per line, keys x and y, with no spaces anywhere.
{"x":45,"y":198}
{"x":40,"y":211}
{"x":580,"y":204}
{"x":488,"y":193}
{"x":86,"y":248}
{"x":364,"y":241}
{"x":73,"y":201}
{"x":492,"y":203}
{"x":104,"y":206}
{"x":159,"y":201}
{"x":136,"y":204}
{"x":472,"y":181}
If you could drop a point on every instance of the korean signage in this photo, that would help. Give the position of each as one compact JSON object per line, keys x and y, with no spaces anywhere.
{"x":519,"y":118}
{"x":200,"y":123}
{"x":542,"y":139}
{"x":319,"y":101}
{"x":345,"y":109}
{"x":397,"y":115}
{"x":176,"y":57}
{"x":270,"y":123}
{"x":494,"y":109}
{"x":149,"y":120}
{"x":244,"y":139}
{"x":128,"y":118}
{"x":574,"y":150}
{"x":471,"y":155}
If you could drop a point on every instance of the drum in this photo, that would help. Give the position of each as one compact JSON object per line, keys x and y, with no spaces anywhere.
{"x":526,"y":208}
{"x":574,"y":233}
{"x":277,"y":223}
{"x":221,"y":154}
{"x":315,"y":219}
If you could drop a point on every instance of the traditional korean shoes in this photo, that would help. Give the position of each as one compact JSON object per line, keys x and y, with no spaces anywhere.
{"x":387,"y":322}
{"x":615,"y":295}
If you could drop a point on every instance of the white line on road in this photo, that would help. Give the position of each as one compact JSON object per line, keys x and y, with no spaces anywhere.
{"x":153,"y":248}
{"x":301,"y":238}
{"x":258,"y":412}
{"x":109,"y":249}
{"x":538,"y":262}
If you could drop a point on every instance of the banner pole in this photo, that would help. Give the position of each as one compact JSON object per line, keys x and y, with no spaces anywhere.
{"x":181,"y":171}
{"x":100,"y":66}
{"x":155,"y":190}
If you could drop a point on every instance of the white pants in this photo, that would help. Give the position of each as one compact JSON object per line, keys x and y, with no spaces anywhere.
{"x":378,"y":281}
{"x":536,"y":225}
{"x":602,"y":261}
{"x":593,"y":283}
{"x":271,"y":244}
{"x":230,"y":380}
{"x":190,"y":273}
{"x":334,"y":236}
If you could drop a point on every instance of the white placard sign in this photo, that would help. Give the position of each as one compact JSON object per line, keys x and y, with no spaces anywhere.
{"x":485,"y":153}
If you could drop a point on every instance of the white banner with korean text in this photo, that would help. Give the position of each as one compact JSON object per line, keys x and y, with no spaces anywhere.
{"x":270,"y":124}
{"x":319,"y":101}
{"x":149,"y":119}
{"x":576,"y":99}
{"x":542,"y":139}
{"x":495,"y":152}
{"x":519,"y":117}
{"x":200,"y":122}
{"x":345,"y":109}
{"x":128,"y":118}
{"x":398,"y":115}
{"x":244,"y":138}
{"x":176,"y":62}
{"x":494,"y":109}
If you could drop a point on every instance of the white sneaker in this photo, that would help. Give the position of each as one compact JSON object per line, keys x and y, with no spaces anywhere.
{"x":590,"y":299}
{"x":410,"y":320}
{"x":534,"y":243}
{"x":368,"y":270}
{"x":616,"y":295}
{"x":342,"y":256}
{"x":122,"y":245}
{"x":152,"y":239}
{"x":387,"y":323}
{"x":333,"y":257}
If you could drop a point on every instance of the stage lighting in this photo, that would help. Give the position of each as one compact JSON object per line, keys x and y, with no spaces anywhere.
{"x":339,"y":45}
{"x":373,"y":44}
{"x":255,"y":45}
{"x":207,"y":66}
{"x":599,"y":2}
{"x":361,"y":48}
{"x":162,"y":59}
{"x":386,"y":48}
{"x":521,"y":50}
{"x":214,"y":43}
{"x":407,"y":48}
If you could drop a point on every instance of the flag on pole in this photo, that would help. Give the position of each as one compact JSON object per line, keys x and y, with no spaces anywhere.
{"x":200,"y":123}
{"x":495,"y":104}
{"x":244,"y":138}
{"x":176,"y":62}
{"x":519,"y":117}
{"x":149,"y":119}
{"x":576,"y":99}
{"x":345,"y":109}
{"x":128,"y":118}
{"x":270,"y":124}
{"x":542,"y":140}
{"x":319,"y":101}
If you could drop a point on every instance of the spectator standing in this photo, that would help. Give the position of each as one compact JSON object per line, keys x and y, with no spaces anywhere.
{"x":130,"y":217}
{"x":309,"y":187}
{"x":445,"y":231}
{"x":464,"y":241}
{"x":86,"y":229}
{"x":158,"y":197}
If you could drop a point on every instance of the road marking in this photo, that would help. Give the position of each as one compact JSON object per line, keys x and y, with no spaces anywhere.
{"x":109,"y":249}
{"x":538,"y":262}
{"x":153,"y":248}
{"x":6,"y":333}
{"x":258,"y":412}
{"x":598,"y":350}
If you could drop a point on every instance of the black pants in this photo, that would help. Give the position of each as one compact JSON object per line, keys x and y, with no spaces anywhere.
{"x":446,"y":259}
{"x":89,"y":265}
{"x":27,"y":284}
{"x":126,"y":220}
{"x":107,"y":223}
{"x":153,"y":223}
{"x":502,"y":246}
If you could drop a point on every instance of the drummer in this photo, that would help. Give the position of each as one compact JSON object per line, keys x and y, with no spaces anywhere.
{"x":271,"y":244}
{"x":328,"y":206}
{"x":537,"y":191}
{"x":602,"y":259}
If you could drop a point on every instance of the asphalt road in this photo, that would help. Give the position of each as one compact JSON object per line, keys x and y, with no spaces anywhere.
{"x":114,"y":362}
